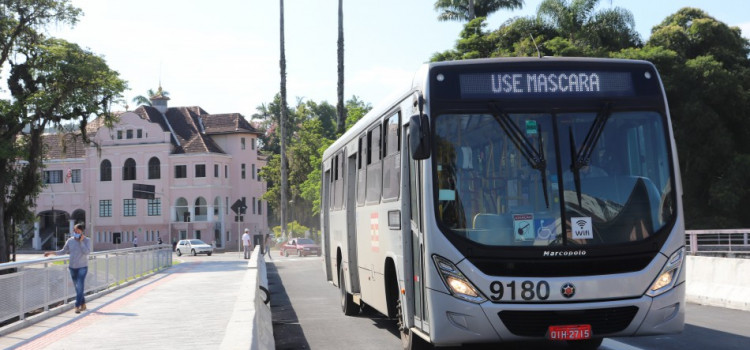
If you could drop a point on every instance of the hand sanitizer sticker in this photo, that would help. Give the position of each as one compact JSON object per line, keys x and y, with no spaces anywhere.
{"x":582,"y":228}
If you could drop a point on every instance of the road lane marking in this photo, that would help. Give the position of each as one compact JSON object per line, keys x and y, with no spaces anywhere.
{"x":616,"y":345}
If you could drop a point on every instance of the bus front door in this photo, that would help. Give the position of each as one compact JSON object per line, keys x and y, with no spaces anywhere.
{"x":416,"y":255}
{"x":326,"y":227}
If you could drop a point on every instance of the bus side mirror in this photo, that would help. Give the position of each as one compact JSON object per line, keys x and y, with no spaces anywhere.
{"x":419,"y":137}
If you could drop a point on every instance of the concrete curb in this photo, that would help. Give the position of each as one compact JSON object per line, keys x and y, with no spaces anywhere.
{"x":250,"y":325}
{"x":722,"y":282}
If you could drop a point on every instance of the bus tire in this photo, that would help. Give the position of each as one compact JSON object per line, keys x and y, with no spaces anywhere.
{"x":347,"y":300}
{"x":588,"y":344}
{"x":409,"y":340}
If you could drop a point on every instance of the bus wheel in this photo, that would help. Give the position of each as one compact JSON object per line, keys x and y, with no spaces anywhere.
{"x":347,"y":301}
{"x":588,"y":344}
{"x":409,"y":340}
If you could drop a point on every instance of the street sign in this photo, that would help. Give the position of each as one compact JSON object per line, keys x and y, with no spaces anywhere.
{"x":239,"y":207}
{"x":143,"y":191}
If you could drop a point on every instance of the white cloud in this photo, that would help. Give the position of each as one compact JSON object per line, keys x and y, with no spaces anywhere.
{"x":382,"y":81}
{"x":745,"y":27}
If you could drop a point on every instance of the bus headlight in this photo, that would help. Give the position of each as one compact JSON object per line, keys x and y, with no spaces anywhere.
{"x":668,"y":275}
{"x":457,"y":283}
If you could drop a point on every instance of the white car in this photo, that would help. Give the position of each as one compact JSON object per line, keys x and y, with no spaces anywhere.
{"x":193,"y":246}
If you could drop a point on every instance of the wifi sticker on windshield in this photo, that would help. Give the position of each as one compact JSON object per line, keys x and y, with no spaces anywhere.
{"x":582,"y":228}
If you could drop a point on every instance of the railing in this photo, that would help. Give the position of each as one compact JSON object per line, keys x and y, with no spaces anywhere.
{"x":719,"y":242}
{"x":32,"y":286}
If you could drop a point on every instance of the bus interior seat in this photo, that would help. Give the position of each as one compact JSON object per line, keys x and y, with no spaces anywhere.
{"x":637,"y":215}
{"x":615,"y":188}
{"x":619,"y":189}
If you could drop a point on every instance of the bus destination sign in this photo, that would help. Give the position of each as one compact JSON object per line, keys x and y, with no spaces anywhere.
{"x":546,"y":84}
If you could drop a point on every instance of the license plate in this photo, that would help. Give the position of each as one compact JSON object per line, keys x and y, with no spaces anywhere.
{"x":569,"y":332}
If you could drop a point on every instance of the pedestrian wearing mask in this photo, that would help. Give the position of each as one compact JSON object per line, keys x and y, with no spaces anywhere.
{"x":77,"y":247}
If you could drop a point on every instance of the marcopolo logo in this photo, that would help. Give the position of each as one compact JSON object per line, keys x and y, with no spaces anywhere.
{"x":564,"y":253}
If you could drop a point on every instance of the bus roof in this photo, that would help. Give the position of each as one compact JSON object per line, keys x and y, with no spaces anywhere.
{"x":420,"y":79}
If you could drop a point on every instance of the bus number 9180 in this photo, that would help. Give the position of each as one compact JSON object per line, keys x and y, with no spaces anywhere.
{"x":527,"y":290}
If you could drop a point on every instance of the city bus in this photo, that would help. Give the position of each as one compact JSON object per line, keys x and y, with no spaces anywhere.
{"x":511,"y":199}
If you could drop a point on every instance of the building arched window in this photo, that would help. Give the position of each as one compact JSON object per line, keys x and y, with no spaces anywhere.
{"x":217,"y":208}
{"x":182,"y":211}
{"x":154,"y":168}
{"x":105,"y":170}
{"x":128,"y":170}
{"x":201,"y":209}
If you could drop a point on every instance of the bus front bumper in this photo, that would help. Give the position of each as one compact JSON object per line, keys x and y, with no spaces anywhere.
{"x":457,"y":322}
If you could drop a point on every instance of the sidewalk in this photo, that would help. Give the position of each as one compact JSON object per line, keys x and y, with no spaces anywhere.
{"x":186,"y":306}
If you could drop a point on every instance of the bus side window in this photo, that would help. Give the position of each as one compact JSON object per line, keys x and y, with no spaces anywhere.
{"x":339,"y":185}
{"x":374,"y":174}
{"x":332,"y":189}
{"x":361,"y":170}
{"x":342,"y":159}
{"x":392,"y":161}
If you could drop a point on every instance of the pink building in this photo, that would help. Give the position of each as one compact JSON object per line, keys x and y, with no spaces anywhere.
{"x":200,"y":164}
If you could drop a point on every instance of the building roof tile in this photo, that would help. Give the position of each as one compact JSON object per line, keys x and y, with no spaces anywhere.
{"x":191,"y":127}
{"x":64,"y":146}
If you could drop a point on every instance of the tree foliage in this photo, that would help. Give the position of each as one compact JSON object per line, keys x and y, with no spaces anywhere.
{"x":468,"y":10}
{"x":146,"y":100}
{"x":51,"y":82}
{"x":706,"y":73}
{"x":705,"y":70}
{"x":312,"y":128}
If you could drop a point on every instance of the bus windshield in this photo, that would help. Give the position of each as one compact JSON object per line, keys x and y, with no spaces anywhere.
{"x":541,"y":179}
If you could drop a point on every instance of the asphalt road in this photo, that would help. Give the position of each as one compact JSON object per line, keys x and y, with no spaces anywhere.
{"x":307,"y":315}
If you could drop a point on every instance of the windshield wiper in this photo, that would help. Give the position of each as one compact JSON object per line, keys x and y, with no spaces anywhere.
{"x":534,"y":156}
{"x":582,"y":158}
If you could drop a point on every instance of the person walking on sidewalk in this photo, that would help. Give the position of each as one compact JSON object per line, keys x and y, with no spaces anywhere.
{"x":78,"y":248}
{"x":246,"y":243}
{"x":135,"y":242}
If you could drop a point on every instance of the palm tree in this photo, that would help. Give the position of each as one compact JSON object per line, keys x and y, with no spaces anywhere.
{"x":282,"y":64}
{"x":578,"y":22}
{"x":146,"y":101}
{"x":340,"y":115}
{"x":467,"y":10}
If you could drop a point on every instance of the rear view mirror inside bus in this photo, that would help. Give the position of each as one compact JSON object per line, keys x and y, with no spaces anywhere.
{"x":419,"y":137}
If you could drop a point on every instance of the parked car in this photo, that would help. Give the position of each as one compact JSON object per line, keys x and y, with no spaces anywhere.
{"x":193,"y":246}
{"x":301,"y":247}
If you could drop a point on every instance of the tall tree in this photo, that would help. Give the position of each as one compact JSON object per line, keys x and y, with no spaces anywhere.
{"x":283,"y":114}
{"x":51,"y":82}
{"x":340,"y":111}
{"x":610,"y":29}
{"x":473,"y":42}
{"x":312,"y":133}
{"x":467,"y":10}
{"x":146,"y":100}
{"x":356,"y":109}
{"x":706,"y":72}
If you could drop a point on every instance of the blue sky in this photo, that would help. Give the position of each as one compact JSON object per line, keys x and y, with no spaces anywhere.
{"x":223,"y":55}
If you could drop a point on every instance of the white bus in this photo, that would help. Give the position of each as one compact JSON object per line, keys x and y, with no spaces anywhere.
{"x":511,"y":199}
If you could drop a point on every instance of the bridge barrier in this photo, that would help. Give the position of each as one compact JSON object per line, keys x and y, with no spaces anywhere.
{"x":34,"y":290}
{"x":725,"y":243}
{"x":716,"y":281}
{"x":250,"y":326}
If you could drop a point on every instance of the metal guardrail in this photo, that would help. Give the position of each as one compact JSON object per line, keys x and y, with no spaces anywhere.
{"x":32,"y":286}
{"x":719,"y":242}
